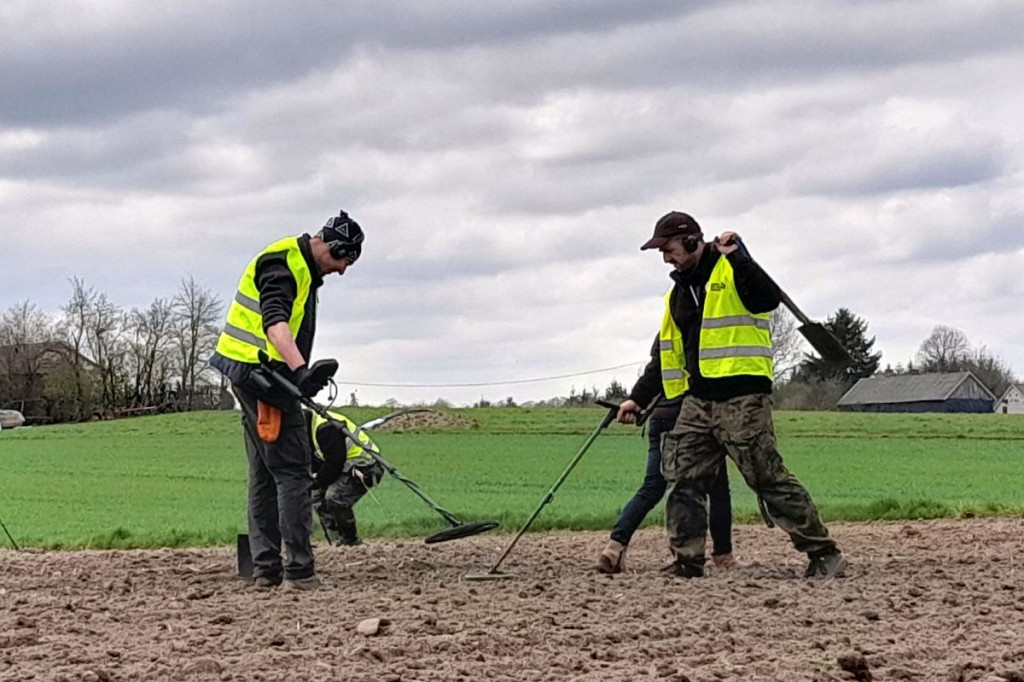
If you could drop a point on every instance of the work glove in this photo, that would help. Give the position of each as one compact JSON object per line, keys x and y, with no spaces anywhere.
{"x":312,"y":380}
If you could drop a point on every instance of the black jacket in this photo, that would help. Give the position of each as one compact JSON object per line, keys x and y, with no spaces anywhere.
{"x":757,"y":292}
{"x":278,"y":289}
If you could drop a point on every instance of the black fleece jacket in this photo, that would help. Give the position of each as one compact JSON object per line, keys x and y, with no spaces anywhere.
{"x":758,"y":294}
{"x":278,"y":289}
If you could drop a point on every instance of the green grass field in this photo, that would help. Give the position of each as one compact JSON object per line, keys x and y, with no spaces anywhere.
{"x":179,"y":480}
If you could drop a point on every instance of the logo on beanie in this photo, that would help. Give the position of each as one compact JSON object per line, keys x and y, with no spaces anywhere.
{"x":339,"y":225}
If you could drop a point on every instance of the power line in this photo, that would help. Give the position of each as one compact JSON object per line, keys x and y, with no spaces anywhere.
{"x":490,"y":383}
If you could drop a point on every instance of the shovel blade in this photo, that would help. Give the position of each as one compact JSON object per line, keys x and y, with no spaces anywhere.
{"x":827,"y":346}
{"x":244,"y":556}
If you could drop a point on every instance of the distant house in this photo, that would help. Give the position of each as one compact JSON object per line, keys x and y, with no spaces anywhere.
{"x":1012,"y":401}
{"x":953,"y":392}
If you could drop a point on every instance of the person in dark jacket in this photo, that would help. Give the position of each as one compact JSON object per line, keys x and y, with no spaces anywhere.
{"x":612,"y":558}
{"x":715,"y":347}
{"x":273,"y":313}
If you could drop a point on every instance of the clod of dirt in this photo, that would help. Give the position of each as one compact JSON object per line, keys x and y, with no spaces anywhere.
{"x":857,"y":665}
{"x":96,"y":676}
{"x":870,"y":615}
{"x":371,"y":627}
{"x":205,"y":666}
{"x":222,"y":619}
{"x":199,"y":594}
{"x":277,"y":640}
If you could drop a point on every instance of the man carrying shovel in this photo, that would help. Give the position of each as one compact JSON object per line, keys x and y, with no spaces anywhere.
{"x":718,"y":351}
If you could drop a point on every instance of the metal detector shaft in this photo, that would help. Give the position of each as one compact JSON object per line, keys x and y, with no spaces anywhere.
{"x":613,"y":410}
{"x":9,"y":536}
{"x":411,"y":485}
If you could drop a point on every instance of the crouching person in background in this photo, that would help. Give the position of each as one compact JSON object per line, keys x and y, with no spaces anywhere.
{"x":343,"y":472}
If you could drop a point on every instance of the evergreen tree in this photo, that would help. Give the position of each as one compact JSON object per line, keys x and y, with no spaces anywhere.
{"x":851,"y":332}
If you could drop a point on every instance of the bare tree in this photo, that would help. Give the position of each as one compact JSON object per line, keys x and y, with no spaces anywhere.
{"x":945,"y":350}
{"x":148,"y":338}
{"x":991,"y":370}
{"x":72,"y":329}
{"x":26,"y":336}
{"x":787,"y":345}
{"x":196,"y":317}
{"x":104,"y":342}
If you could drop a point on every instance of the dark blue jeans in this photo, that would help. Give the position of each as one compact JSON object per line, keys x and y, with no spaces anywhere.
{"x":653,"y":489}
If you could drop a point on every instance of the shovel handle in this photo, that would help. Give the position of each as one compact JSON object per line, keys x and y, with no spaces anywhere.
{"x":783,"y":296}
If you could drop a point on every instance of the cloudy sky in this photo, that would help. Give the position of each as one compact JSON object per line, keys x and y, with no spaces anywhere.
{"x":507,"y":159}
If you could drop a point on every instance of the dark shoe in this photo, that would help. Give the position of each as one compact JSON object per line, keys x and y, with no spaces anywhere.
{"x":686,"y":569}
{"x":350,"y":541}
{"x":265,"y":583}
{"x":304,"y":584}
{"x":345,"y":522}
{"x":826,"y":565}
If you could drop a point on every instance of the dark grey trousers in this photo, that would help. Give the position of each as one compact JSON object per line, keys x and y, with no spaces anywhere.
{"x":280,"y":482}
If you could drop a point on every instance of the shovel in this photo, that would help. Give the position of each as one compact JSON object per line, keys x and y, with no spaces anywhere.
{"x":820,"y":338}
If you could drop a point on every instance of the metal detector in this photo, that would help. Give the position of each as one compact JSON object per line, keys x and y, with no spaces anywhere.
{"x":493,"y":573}
{"x":458,"y":528}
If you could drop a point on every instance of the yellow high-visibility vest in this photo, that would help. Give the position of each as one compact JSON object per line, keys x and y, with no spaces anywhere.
{"x":675,"y":380}
{"x":733,"y":340}
{"x":243,"y":337}
{"x":354,"y":452}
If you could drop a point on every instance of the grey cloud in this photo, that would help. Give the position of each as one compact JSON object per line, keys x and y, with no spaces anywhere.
{"x":194,"y":55}
{"x":911,"y":166}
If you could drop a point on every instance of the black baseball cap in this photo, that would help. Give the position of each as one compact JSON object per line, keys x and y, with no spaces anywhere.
{"x":670,"y":225}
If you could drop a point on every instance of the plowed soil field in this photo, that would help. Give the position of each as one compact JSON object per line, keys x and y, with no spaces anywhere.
{"x":923,"y":601}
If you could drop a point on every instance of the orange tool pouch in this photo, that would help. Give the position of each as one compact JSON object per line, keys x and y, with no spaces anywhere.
{"x":268,"y":422}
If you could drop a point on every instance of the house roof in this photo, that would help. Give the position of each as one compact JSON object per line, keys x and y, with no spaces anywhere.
{"x":50,"y":349}
{"x":907,"y":388}
{"x":1019,"y":387}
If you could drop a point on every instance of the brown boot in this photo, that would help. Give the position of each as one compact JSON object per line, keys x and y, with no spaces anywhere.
{"x":612,"y":558}
{"x":723,"y":560}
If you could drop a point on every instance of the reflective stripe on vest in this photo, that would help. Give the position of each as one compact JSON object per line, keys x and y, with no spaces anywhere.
{"x":733,"y":341}
{"x":243,"y":337}
{"x":674,"y":377}
{"x":354,"y":452}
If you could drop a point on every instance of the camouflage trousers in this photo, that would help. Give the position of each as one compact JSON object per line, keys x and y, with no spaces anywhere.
{"x":692,"y":452}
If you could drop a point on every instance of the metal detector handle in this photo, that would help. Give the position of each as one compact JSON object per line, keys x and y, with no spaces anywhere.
{"x":783,"y":296}
{"x":646,"y":413}
{"x":613,"y":411}
{"x":266,"y":369}
{"x":293,"y":390}
{"x":642,"y":416}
